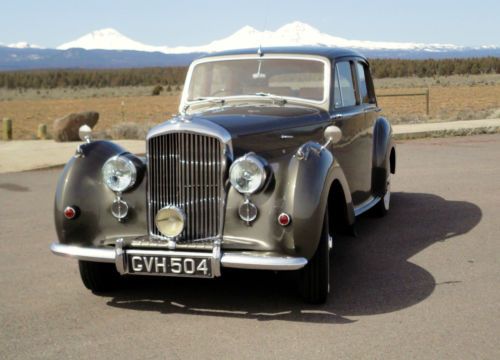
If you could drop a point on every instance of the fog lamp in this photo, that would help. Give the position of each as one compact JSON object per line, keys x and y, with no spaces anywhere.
{"x":119,"y":209}
{"x":248,"y":211}
{"x":170,"y":221}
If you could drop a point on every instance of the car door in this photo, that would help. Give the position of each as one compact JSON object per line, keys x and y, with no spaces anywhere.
{"x":354,"y":151}
{"x":368,"y":100}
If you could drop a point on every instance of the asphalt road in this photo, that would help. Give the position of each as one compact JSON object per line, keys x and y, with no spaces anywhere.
{"x":421,"y":283}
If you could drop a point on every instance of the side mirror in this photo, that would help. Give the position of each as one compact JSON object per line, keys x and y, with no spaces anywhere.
{"x":85,"y":133}
{"x":332,"y":135}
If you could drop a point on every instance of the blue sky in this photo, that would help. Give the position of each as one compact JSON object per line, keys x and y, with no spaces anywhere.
{"x":196,"y":22}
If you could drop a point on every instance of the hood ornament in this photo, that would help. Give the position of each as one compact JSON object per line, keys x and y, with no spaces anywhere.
{"x":259,"y":51}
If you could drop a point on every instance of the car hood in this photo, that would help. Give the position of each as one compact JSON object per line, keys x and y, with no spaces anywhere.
{"x":264,"y":129}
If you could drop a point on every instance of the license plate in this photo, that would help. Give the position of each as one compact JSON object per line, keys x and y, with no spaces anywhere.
{"x":169,"y":263}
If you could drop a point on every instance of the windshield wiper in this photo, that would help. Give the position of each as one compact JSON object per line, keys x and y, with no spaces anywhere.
{"x":277,"y":99}
{"x":202,"y":100}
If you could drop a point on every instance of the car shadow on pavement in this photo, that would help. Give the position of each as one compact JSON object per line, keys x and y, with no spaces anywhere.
{"x":371,"y":273}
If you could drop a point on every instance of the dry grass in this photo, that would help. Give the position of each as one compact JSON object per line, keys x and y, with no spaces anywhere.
{"x":446,"y":103}
{"x":453,"y":98}
{"x":27,"y":114}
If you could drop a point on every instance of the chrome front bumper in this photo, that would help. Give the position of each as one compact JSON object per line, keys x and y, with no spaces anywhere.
{"x":237,"y":260}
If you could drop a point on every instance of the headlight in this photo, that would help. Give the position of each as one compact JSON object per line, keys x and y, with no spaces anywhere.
{"x":247,"y":174}
{"x":119,"y":173}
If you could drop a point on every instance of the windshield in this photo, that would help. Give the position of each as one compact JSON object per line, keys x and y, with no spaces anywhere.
{"x":296,"y":78}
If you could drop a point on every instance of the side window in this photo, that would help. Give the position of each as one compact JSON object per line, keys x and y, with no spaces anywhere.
{"x":344,"y":81}
{"x":363,"y":88}
{"x":367,"y":92}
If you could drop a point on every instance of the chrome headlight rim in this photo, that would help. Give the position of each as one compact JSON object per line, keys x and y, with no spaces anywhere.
{"x":128,"y":164}
{"x":262,"y":168}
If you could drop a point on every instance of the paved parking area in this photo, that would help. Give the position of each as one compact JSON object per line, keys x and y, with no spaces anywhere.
{"x":421,"y":283}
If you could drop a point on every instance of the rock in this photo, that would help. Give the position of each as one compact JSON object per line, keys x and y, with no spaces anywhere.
{"x":66,"y":128}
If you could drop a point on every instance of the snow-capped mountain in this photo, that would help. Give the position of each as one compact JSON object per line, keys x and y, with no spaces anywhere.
{"x":107,"y":48}
{"x":106,"y":39}
{"x":23,"y":45}
{"x":293,"y":34}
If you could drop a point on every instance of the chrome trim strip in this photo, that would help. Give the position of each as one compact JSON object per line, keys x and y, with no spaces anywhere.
{"x":106,"y":255}
{"x":228,"y":259}
{"x":367,"y":205}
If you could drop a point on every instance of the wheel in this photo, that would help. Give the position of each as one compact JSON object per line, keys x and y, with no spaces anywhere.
{"x":314,"y":278}
{"x":382,"y":207}
{"x":99,"y":277}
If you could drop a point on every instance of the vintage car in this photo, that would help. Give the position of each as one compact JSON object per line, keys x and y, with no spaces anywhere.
{"x":274,"y":152}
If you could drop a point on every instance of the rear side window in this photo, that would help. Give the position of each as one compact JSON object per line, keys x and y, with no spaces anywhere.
{"x":363,"y":88}
{"x":344,"y":86}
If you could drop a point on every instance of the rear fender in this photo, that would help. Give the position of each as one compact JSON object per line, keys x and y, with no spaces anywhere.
{"x":382,"y":145}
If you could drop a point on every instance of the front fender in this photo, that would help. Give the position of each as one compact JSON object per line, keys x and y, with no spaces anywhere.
{"x":299,"y":187}
{"x":308,"y":194}
{"x":80,"y":185}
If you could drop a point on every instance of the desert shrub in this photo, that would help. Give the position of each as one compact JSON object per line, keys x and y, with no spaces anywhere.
{"x":474,"y":114}
{"x":157,"y":90}
{"x":77,"y":78}
{"x":173,"y":77}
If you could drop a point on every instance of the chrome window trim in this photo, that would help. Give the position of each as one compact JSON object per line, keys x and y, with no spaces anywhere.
{"x":337,"y":78}
{"x":324,"y":103}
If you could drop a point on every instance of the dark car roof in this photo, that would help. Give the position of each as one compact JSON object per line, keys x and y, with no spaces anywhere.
{"x":328,"y":52}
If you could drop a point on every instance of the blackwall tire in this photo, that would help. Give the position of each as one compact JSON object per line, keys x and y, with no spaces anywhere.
{"x":99,"y":277}
{"x":314,"y":278}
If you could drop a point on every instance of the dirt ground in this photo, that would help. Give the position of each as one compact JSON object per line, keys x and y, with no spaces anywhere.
{"x":447,"y":103}
{"x":27,"y":114}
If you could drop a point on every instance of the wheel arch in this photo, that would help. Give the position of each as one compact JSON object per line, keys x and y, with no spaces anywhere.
{"x":340,"y":209}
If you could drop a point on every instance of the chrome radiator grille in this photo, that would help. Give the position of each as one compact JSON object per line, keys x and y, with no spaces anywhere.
{"x":186,"y":170}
